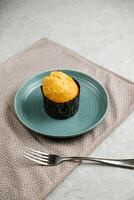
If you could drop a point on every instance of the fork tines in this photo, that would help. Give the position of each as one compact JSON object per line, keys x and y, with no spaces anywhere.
{"x":37,"y":156}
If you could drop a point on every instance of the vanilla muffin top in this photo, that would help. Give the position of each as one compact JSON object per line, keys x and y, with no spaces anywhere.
{"x":59,"y":87}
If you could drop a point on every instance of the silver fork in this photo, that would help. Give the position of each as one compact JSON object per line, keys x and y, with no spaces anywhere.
{"x":52,"y":159}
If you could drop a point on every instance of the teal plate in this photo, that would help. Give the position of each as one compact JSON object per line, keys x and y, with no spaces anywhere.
{"x":29,"y":107}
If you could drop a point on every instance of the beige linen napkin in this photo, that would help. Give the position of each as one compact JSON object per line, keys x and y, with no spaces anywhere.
{"x":20,"y":179}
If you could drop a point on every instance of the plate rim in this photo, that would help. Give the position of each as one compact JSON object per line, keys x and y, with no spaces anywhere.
{"x":60,"y":136}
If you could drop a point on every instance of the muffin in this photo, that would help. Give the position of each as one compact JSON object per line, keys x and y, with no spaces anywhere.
{"x":61,"y":95}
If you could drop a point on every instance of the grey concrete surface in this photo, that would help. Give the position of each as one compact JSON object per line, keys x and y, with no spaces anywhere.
{"x":102,"y":31}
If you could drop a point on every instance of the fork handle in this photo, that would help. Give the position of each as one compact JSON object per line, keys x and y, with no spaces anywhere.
{"x":125,"y":163}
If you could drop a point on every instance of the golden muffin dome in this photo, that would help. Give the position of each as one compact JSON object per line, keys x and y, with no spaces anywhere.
{"x":59,"y":87}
